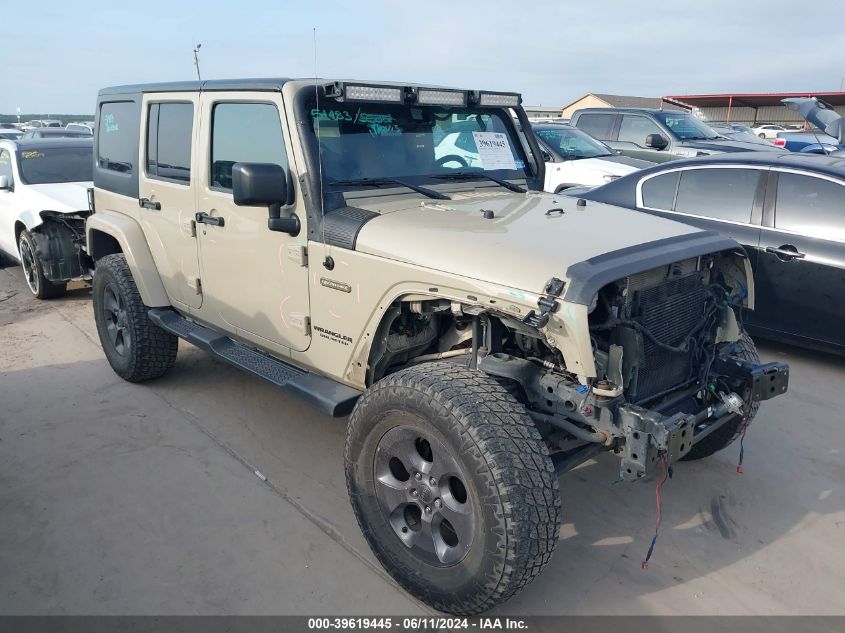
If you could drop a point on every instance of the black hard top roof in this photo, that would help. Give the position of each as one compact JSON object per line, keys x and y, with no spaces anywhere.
{"x":50,"y":143}
{"x":268,"y":84}
{"x":830,"y":165}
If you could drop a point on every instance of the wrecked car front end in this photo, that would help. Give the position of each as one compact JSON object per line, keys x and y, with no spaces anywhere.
{"x":665,"y":367}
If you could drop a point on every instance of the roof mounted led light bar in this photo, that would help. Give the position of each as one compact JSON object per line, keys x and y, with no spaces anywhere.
{"x":430,"y":96}
{"x":363,"y":92}
{"x":499,"y":99}
{"x":422,"y":96}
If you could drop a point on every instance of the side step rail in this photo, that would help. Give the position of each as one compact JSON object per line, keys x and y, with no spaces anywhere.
{"x":326,"y":394}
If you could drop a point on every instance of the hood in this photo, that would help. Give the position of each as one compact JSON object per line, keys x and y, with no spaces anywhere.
{"x":531,"y":238}
{"x":63,"y":197}
{"x":591,"y":170}
{"x":727,"y":145}
{"x":634,"y":163}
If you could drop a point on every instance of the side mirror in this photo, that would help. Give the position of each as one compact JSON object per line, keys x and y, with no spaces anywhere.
{"x":264,"y":183}
{"x":5,"y":183}
{"x":656,"y":141}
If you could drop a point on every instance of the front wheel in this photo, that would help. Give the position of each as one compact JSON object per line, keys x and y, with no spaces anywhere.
{"x":746,"y":350}
{"x":135,"y":347}
{"x":452,"y":486}
{"x":33,"y":272}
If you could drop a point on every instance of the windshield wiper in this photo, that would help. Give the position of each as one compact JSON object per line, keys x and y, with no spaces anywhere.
{"x":381,"y":182}
{"x":472,"y":175}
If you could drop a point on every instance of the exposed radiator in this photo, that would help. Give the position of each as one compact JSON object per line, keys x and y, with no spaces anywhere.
{"x":669,"y":311}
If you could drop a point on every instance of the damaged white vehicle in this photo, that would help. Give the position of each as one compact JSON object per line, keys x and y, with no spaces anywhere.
{"x":43,"y":205}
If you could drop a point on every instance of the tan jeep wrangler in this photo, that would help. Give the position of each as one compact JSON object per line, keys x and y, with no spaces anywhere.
{"x":483,"y":335}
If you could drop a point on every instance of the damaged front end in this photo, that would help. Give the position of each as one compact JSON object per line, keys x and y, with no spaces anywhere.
{"x":672,"y":367}
{"x":60,"y":245}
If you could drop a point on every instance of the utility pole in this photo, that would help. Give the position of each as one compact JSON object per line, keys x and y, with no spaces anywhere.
{"x":197,"y":60}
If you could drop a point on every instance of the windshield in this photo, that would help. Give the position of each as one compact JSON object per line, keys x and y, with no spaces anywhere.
{"x":56,"y":164}
{"x":686,"y":126}
{"x":388,"y":140}
{"x":571,"y":143}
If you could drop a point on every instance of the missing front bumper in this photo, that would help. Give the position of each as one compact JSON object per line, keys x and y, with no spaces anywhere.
{"x":649,"y":433}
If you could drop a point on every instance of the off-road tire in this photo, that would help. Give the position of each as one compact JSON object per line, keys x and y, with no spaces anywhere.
{"x":716,"y":441}
{"x":38,"y":284}
{"x":510,"y":481}
{"x":150,"y":351}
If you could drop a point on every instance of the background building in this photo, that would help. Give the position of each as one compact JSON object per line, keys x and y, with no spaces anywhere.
{"x":754,"y":109}
{"x":543,"y":112}
{"x":596,"y":100}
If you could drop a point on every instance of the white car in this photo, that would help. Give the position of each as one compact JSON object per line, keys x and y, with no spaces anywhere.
{"x":574,"y":158}
{"x":10,"y":133}
{"x":768,"y":130}
{"x":43,"y":205}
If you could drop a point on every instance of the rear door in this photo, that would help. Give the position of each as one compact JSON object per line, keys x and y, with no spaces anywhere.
{"x":600,"y":125}
{"x":167,"y":197}
{"x":7,"y":206}
{"x":801,"y":284}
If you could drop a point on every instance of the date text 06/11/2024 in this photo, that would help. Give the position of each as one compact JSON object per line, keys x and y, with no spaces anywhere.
{"x":417,"y":624}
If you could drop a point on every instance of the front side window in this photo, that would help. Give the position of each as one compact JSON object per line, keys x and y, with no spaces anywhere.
{"x":810,"y":206}
{"x":116,"y":136}
{"x":571,"y":143}
{"x":56,"y":164}
{"x":169,"y":133}
{"x":598,"y":126}
{"x":686,"y":127}
{"x":392,"y":140}
{"x":659,"y":192}
{"x":721,"y":194}
{"x":634,"y":129}
{"x":244,"y":133}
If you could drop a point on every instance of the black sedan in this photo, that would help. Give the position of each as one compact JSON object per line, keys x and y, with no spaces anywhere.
{"x":788,"y":210}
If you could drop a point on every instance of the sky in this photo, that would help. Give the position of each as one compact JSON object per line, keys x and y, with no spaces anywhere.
{"x":551,"y":52}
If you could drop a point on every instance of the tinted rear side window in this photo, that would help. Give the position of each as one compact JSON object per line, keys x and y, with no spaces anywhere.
{"x":722,"y":194}
{"x":598,"y":126}
{"x":117,"y":137}
{"x":244,"y":133}
{"x":169,"y":133}
{"x":659,"y":192}
{"x":810,"y":206}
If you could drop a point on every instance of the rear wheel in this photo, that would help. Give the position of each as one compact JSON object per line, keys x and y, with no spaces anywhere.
{"x":33,"y":273}
{"x":452,"y":486}
{"x":723,"y":437}
{"x":135,"y":347}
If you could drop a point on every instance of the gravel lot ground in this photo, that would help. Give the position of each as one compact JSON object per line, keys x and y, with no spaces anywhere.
{"x":142,"y":499}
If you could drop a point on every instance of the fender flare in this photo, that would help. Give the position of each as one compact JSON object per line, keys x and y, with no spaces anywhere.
{"x":133,"y":244}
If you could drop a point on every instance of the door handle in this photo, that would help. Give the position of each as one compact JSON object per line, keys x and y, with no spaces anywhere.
{"x":785,"y":252}
{"x":204,"y":218}
{"x":146,"y":203}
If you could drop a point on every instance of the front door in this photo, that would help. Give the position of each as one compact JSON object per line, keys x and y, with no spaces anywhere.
{"x":254,"y":281}
{"x":167,"y":199}
{"x":801,"y":280}
{"x":633,"y":131}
